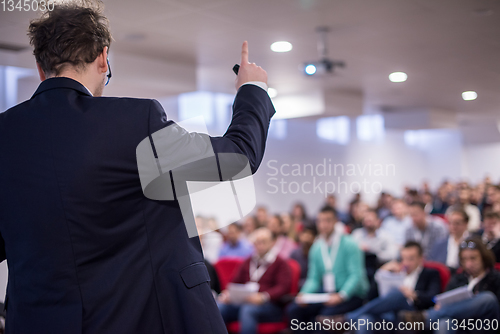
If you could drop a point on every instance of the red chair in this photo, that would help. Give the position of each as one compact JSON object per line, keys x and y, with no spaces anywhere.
{"x":441,"y":216}
{"x":274,"y":327}
{"x":226,"y":269}
{"x":444,"y":272}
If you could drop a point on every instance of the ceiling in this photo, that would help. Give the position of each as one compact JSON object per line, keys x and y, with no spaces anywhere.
{"x":446,"y":47}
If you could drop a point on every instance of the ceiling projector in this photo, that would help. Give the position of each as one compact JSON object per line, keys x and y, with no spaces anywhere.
{"x":325,"y":65}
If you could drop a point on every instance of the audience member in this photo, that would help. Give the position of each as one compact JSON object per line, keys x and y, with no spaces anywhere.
{"x":214,"y":278}
{"x":284,"y":246}
{"x":301,"y":254}
{"x":289,"y":228}
{"x":336,"y":266}
{"x":428,"y":200}
{"x":273,"y":275}
{"x":235,"y":245}
{"x":419,"y":287}
{"x":480,"y":278}
{"x":299,"y":216}
{"x":210,"y":238}
{"x":398,"y":222}
{"x":262,"y":216}
{"x":424,"y":229}
{"x":446,"y":250}
{"x":464,"y":197}
{"x":331,"y":201}
{"x":441,"y":201}
{"x":384,"y":205}
{"x":358,"y":210}
{"x":373,"y":240}
{"x":249,"y":225}
{"x":493,"y":198}
{"x":491,"y":233}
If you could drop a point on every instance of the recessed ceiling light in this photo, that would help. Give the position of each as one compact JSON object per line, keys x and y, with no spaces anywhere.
{"x":281,"y":46}
{"x":272,"y":92}
{"x":398,"y":77}
{"x":469,"y":95}
{"x":310,"y":69}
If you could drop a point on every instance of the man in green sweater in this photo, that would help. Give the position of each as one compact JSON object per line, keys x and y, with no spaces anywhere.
{"x":336,"y":267}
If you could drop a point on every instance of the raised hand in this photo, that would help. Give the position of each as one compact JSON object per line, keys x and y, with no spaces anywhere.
{"x":249,"y":71}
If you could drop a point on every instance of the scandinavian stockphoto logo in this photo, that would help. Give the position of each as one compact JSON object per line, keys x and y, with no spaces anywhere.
{"x":178,"y":163}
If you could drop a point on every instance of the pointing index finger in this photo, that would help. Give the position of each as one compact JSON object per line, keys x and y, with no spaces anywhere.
{"x":244,"y":53}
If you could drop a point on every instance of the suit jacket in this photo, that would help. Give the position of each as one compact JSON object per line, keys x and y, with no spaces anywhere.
{"x":349,"y":269}
{"x":439,"y":252}
{"x":87,"y":252}
{"x":490,"y":282}
{"x":276,"y":281}
{"x":428,"y":285}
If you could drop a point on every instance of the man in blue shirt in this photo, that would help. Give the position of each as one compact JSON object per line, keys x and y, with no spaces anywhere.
{"x":236,"y":245}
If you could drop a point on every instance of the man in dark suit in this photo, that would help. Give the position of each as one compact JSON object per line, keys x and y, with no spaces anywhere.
{"x":87,"y":251}
{"x":490,"y":235}
{"x":445,"y":250}
{"x":419,"y":287}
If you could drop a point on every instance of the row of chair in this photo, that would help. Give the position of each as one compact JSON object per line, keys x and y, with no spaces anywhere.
{"x":226,"y":269}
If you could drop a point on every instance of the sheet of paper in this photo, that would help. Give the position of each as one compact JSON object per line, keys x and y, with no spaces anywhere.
{"x":239,"y":292}
{"x":453,"y":296}
{"x":387,"y":281}
{"x":314,"y":298}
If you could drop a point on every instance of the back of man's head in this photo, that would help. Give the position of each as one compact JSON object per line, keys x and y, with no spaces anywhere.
{"x":72,"y":34}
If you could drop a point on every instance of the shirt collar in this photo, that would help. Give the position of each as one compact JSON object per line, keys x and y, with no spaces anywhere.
{"x":338,"y":229}
{"x":417,"y":271}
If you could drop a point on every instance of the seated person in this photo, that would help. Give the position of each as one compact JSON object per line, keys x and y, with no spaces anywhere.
{"x":373,"y":240}
{"x":424,"y":229}
{"x":478,"y":274}
{"x":397,"y":223}
{"x":214,"y":278}
{"x":419,"y":287}
{"x":464,"y":197}
{"x":274,"y":277}
{"x":301,"y":254}
{"x":284,"y":245}
{"x":446,"y":250}
{"x":336,"y":266}
{"x":491,"y":232}
{"x":235,"y":245}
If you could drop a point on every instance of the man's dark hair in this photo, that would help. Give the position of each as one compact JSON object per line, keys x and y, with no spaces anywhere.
{"x":374,"y":211}
{"x":460,"y":210}
{"x":487,"y":256}
{"x":411,"y":244}
{"x":418,"y":204}
{"x":70,"y":34}
{"x":239,"y":227}
{"x":310,"y":229}
{"x":491,"y":215}
{"x":328,"y":208}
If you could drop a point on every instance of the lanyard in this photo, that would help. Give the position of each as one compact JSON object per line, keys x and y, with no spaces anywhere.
{"x":329,"y":258}
{"x":257,"y":273}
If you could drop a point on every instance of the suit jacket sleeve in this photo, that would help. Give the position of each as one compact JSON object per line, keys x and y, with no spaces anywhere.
{"x":456,"y":281}
{"x":314,"y":277}
{"x":283,"y":282}
{"x":432,"y":288}
{"x":355,"y":268}
{"x":3,"y":256}
{"x":247,"y":133}
{"x":243,"y":273}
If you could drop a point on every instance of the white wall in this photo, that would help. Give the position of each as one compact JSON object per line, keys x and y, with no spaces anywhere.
{"x":436,"y":158}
